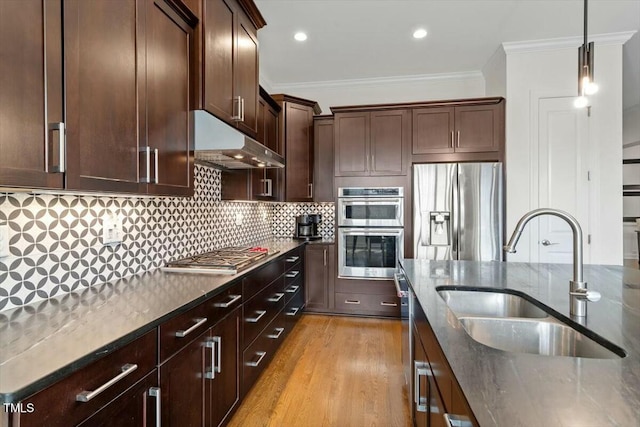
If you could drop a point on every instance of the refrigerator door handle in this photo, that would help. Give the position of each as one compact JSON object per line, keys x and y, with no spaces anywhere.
{"x":455,"y":220}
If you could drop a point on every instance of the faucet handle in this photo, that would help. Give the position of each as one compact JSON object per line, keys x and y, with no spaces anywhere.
{"x":582,"y":293}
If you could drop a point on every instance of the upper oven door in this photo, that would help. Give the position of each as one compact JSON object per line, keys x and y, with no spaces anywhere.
{"x":370,"y":253}
{"x":370,"y":212}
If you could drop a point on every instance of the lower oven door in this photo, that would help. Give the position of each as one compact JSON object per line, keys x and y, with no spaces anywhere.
{"x":369,"y":253}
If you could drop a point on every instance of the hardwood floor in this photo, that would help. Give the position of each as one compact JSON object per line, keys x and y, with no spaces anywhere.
{"x":332,"y":371}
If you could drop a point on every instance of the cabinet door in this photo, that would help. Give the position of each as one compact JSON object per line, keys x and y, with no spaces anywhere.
{"x":389,"y":142}
{"x":137,"y":407}
{"x":323,"y":160}
{"x":351,"y":144}
{"x":264,"y":181}
{"x":478,"y":128}
{"x":299,"y":152}
{"x":168,"y":54}
{"x":103,"y":76}
{"x":319,"y":276}
{"x":419,"y":383}
{"x":246,"y":74}
{"x":219,"y":29}
{"x":433,"y":130}
{"x":222,"y":392}
{"x":182,"y":385}
{"x":31,"y":82}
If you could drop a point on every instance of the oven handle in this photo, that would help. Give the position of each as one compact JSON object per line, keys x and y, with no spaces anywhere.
{"x":366,"y":231}
{"x":397,"y":278}
{"x":364,"y":201}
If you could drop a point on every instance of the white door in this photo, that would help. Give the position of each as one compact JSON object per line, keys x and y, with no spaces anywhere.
{"x":563,"y":159}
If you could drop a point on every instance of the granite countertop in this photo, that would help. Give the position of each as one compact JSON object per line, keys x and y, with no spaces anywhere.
{"x":517,"y":389}
{"x":43,"y":342}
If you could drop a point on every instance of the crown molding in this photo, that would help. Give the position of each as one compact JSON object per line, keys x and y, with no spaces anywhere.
{"x":283,"y":87}
{"x":566,"y":42}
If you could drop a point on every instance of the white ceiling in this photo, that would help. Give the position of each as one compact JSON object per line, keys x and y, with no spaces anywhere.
{"x":356,"y":39}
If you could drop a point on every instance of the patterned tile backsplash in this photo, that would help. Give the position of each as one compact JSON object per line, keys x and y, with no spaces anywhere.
{"x":56,"y":240}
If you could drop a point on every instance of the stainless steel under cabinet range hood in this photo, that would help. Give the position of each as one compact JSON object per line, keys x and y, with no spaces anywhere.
{"x":219,"y":145}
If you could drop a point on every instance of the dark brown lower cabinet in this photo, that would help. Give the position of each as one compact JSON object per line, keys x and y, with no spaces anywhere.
{"x":319,"y":276}
{"x":137,"y":407}
{"x":199,"y":385}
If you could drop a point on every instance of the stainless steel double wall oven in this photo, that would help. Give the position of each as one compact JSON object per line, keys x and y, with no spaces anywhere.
{"x":370,"y":231}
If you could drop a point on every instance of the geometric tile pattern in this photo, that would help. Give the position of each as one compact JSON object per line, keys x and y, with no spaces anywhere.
{"x":56,"y":240}
{"x":284,"y":216}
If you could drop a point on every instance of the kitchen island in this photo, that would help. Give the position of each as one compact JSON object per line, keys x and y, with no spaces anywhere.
{"x":518,"y":389}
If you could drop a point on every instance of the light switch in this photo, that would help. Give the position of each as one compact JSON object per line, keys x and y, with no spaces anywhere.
{"x":239,"y":218}
{"x":4,"y":241}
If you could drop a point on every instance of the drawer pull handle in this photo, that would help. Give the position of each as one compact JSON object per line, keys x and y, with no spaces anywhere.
{"x":292,"y":289}
{"x":419,"y":370}
{"x":293,"y":312}
{"x":211,"y":375}
{"x":352,"y":301}
{"x":199,"y":322}
{"x":257,"y":319}
{"x":227,"y":304}
{"x":277,"y":297}
{"x":293,"y":259}
{"x":276,"y":335}
{"x":155,"y":392}
{"x":456,"y":421}
{"x":86,"y":396}
{"x":261,"y":355}
{"x":292,"y":274}
{"x":388,"y":304}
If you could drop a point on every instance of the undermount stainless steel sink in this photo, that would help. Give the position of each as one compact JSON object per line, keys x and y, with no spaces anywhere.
{"x":489,"y":304}
{"x":547,"y":338}
{"x":510,"y":322}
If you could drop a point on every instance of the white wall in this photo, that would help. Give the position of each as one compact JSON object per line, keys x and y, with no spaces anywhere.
{"x":380,"y":91}
{"x":534,"y":73}
{"x":495,"y":74}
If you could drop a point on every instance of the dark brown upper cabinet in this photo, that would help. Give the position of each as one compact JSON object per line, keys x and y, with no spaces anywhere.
{"x":31,"y":106}
{"x":295,"y":182}
{"x":230,"y":62}
{"x":372,"y":143}
{"x":323,"y":159}
{"x":265,"y":181}
{"x":125,"y":126}
{"x":458,"y":128}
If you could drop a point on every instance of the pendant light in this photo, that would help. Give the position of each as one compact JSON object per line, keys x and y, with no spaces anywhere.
{"x":586,"y":85}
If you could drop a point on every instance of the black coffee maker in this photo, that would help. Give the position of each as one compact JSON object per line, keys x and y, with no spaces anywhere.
{"x":307,"y":227}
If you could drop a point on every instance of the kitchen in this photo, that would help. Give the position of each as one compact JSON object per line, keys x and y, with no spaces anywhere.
{"x":100,"y":192}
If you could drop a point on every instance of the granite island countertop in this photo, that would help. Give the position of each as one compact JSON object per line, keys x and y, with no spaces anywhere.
{"x":44,"y":342}
{"x":518,"y":389}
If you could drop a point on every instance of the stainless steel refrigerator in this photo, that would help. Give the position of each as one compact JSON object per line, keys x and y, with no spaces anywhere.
{"x":458,"y":211}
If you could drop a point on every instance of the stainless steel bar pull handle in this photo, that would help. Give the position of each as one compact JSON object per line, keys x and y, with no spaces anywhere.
{"x":211,"y":375}
{"x":237,"y":100}
{"x":62,"y":148}
{"x":452,"y":420}
{"x":293,"y":259}
{"x":275,"y":336}
{"x":292,"y":274}
{"x":218,"y":340}
{"x":155,"y":392}
{"x":451,"y":139}
{"x":458,"y":140}
{"x":147,"y":152}
{"x":269,"y":187}
{"x":242,"y":109}
{"x":324,"y":257}
{"x":388,"y":304}
{"x":351,"y":301}
{"x":261,"y":355}
{"x":256,"y":319}
{"x":311,"y":191}
{"x":277,"y":297}
{"x":227,"y":304}
{"x":292,"y":289}
{"x":156,"y":154}
{"x":396,"y":281}
{"x":199,"y":322}
{"x":86,"y":396}
{"x":421,"y":404}
{"x":293,"y":312}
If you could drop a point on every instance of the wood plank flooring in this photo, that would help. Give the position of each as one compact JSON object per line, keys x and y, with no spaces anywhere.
{"x":332,"y":371}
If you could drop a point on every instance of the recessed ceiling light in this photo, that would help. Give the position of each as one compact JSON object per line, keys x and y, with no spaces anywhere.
{"x":420,"y":33}
{"x":300,"y":36}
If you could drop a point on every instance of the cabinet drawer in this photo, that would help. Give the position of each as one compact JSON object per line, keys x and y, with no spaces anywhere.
{"x":261,"y":309}
{"x":293,"y":259}
{"x":292,"y":282}
{"x":366,"y":304}
{"x":182,"y":329}
{"x":89,"y":389}
{"x":293,"y":309}
{"x":255,"y":358}
{"x":257,"y":281}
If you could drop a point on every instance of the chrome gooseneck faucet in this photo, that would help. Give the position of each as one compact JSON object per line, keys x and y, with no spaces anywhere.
{"x":578,"y":292}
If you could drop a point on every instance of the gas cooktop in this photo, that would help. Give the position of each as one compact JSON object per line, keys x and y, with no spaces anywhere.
{"x":229,"y":260}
